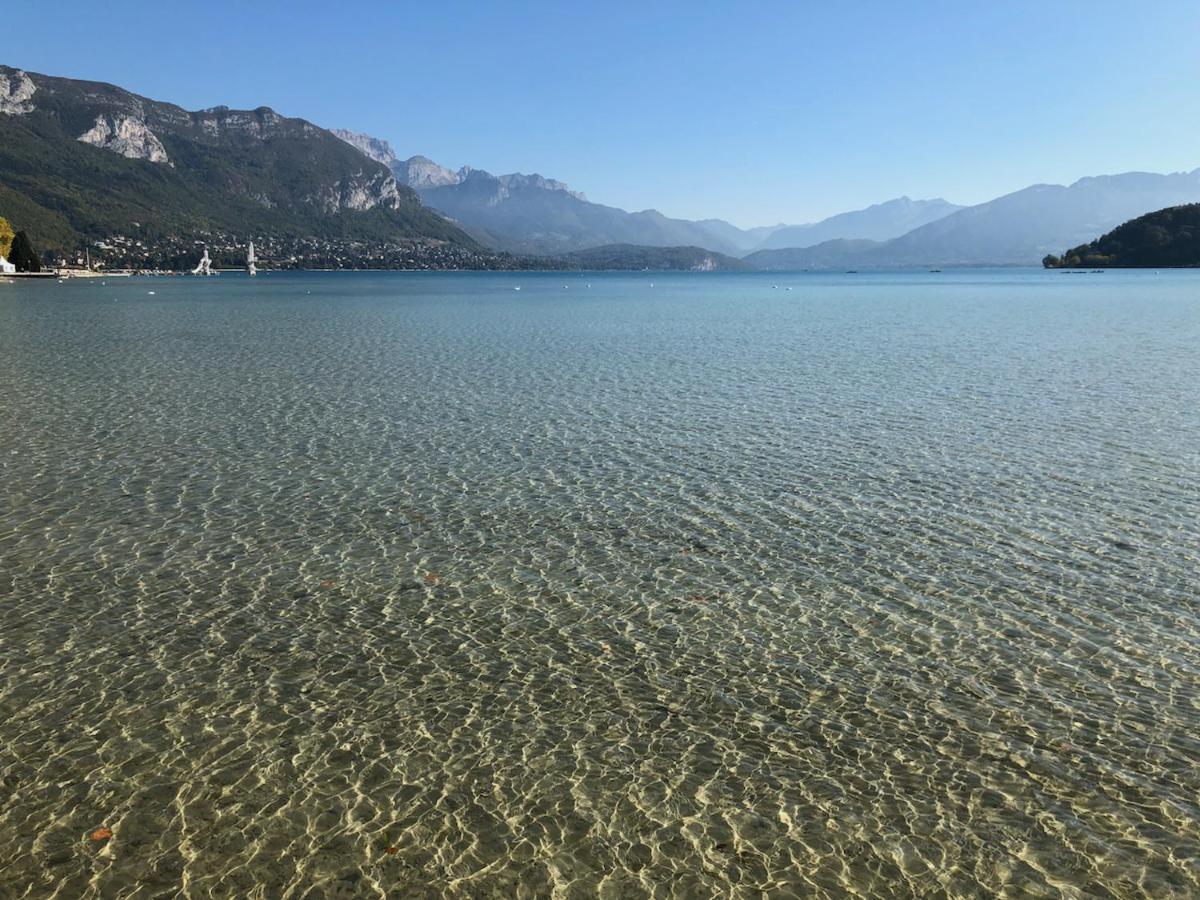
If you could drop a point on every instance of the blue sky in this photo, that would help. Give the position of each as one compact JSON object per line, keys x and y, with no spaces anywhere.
{"x":757,"y":112}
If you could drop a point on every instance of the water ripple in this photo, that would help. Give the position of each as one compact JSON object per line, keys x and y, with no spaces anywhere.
{"x":408,"y":588}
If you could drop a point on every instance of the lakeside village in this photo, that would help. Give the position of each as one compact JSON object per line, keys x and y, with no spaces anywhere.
{"x":211,"y":253}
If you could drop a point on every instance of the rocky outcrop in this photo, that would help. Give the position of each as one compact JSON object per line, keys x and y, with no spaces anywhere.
{"x":373,"y":148}
{"x":126,"y":136}
{"x":420,"y":172}
{"x":16,"y":93}
{"x":360,"y":192}
{"x":257,"y":124}
{"x":517,"y":182}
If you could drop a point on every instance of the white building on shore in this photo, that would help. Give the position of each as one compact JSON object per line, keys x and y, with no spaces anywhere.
{"x":7,"y":268}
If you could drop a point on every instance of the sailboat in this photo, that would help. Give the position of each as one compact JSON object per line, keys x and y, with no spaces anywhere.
{"x":251,"y":268}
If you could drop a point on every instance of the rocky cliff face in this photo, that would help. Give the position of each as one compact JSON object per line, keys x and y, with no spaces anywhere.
{"x":16,"y":92}
{"x":517,"y":181}
{"x":373,"y":148}
{"x":127,"y":136}
{"x":420,"y":172}
{"x":360,"y":191}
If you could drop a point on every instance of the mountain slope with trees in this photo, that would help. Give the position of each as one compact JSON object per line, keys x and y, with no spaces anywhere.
{"x":630,"y":257}
{"x":86,"y":160}
{"x":1163,"y":239}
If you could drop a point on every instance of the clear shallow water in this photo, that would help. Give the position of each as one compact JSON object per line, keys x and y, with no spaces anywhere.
{"x":412,"y":585}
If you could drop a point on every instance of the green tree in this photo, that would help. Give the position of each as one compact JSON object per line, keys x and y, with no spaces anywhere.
{"x":23,"y":255}
{"x":6,"y":237}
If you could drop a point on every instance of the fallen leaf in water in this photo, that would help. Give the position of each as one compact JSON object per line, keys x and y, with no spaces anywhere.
{"x":392,"y":851}
{"x":431,"y":578}
{"x":103,"y":833}
{"x":328,"y":583}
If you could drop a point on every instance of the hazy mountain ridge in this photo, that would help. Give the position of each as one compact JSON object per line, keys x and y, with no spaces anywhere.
{"x":880,"y":222}
{"x":523,"y":213}
{"x":90,"y":159}
{"x":628,"y":257}
{"x":515,"y":213}
{"x":833,"y":254}
{"x":1019,"y":228}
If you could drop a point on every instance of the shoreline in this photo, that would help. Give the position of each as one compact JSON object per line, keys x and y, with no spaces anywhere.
{"x":61,"y":275}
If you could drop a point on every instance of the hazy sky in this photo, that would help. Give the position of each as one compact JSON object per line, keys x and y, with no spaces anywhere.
{"x":757,"y":112}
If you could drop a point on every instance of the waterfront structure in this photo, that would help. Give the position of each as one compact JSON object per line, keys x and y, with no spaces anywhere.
{"x":205,"y":265}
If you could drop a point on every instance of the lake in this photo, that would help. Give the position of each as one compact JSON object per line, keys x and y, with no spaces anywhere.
{"x":629,"y":585}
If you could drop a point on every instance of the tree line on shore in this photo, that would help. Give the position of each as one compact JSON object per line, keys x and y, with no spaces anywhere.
{"x":1163,"y":239}
{"x":17,"y":248}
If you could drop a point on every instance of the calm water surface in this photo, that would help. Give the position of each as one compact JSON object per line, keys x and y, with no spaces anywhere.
{"x":416,"y":586}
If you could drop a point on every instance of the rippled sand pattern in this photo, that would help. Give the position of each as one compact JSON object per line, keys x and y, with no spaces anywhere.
{"x":413,"y":586}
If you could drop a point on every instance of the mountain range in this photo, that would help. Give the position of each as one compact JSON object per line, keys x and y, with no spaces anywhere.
{"x":534,"y":214}
{"x":880,"y":222}
{"x":86,"y":160}
{"x":1017,"y":229}
{"x":537,"y":215}
{"x":82,"y":162}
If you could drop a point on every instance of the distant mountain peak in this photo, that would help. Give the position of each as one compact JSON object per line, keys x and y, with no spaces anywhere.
{"x":374,"y":148}
{"x":878,"y":222}
{"x":422,"y":172}
{"x":1018,"y":228}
